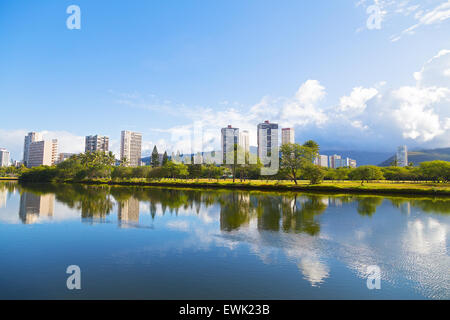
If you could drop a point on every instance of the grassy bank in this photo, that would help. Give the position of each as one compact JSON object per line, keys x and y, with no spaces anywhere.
{"x":8,"y":178}
{"x":381,"y":187}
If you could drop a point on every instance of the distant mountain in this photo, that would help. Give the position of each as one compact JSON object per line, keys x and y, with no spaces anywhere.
{"x":416,"y":157}
{"x":382,"y":159}
{"x":362,"y":157}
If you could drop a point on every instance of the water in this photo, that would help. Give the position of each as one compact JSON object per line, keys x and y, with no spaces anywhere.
{"x":151,"y":243}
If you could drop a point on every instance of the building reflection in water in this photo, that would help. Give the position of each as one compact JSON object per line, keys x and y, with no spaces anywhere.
{"x":128,"y":213}
{"x":33,"y":206}
{"x":3,"y":194}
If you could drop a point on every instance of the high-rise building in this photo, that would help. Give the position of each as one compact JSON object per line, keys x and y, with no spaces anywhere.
{"x":287,"y":136}
{"x":130,"y":148}
{"x":267,"y":138}
{"x":4,"y":158}
{"x":64,"y":156}
{"x":321,"y":160}
{"x":402,"y":156}
{"x":30,"y":138}
{"x":351,"y":163}
{"x":230,"y":137}
{"x":244,"y":141}
{"x":334,"y":161}
{"x":42,"y":153}
{"x":96,"y":143}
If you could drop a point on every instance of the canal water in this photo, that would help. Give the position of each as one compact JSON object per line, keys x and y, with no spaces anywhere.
{"x":162,"y":243}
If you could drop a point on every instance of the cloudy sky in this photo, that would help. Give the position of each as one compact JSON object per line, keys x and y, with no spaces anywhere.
{"x":353,"y":75}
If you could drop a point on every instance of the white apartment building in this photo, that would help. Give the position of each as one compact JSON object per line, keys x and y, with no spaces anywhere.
{"x":30,"y":138}
{"x":244,"y":141}
{"x":334,"y":161}
{"x":402,"y":156}
{"x":131,"y":148}
{"x":96,"y":143}
{"x":230,"y":137}
{"x":351,"y":163}
{"x":5,"y":158}
{"x":42,"y":153}
{"x":267,"y":139}
{"x":321,"y":160}
{"x":287,"y":136}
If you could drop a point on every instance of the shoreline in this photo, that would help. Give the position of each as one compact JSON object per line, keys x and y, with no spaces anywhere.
{"x":336,"y":188}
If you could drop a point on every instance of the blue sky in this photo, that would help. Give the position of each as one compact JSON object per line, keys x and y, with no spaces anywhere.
{"x":158,"y":67}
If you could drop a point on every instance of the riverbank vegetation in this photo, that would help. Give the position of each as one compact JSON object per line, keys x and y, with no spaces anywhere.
{"x":297,"y":171}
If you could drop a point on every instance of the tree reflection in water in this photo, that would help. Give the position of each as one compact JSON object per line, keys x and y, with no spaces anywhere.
{"x":287,"y":212}
{"x":367,"y":206}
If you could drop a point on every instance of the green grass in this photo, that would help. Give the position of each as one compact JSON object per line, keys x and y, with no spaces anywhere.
{"x":376,"y":187}
{"x":9,"y":178}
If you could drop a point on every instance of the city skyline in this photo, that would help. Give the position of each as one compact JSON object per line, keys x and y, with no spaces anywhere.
{"x":38,"y":151}
{"x":293,"y":64}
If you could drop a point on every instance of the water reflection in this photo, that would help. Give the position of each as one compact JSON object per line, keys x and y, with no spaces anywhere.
{"x":128,"y":213}
{"x":3,"y":194}
{"x":286,"y":212}
{"x":33,"y":206}
{"x":407,"y":237}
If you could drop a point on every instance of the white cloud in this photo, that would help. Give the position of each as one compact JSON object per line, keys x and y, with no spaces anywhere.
{"x":416,"y":116}
{"x":67,"y":142}
{"x":433,"y":72}
{"x":431,"y":12}
{"x":424,"y":108}
{"x":304,"y":108}
{"x":357,"y":101}
{"x":366,"y":118}
{"x":434,"y":16}
{"x":180,"y":225}
{"x":359,"y":125}
{"x":300,"y":110}
{"x":310,"y":93}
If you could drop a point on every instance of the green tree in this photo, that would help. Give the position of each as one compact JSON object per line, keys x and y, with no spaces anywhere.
{"x":165,"y":158}
{"x":155,"y":158}
{"x":291,"y":160}
{"x":313,"y":173}
{"x":366,"y":173}
{"x":313,"y":147}
{"x":176,"y":170}
{"x":237,"y":150}
{"x":195,"y":171}
{"x":342,"y":173}
{"x":295,"y":156}
{"x":436,"y":171}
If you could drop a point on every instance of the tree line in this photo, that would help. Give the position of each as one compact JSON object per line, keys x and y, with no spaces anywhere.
{"x":296,"y":163}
